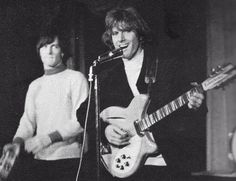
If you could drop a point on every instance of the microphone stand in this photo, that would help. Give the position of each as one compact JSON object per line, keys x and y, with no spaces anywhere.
{"x":93,"y":76}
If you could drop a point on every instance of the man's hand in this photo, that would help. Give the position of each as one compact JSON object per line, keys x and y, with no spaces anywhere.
{"x":116,"y":135}
{"x":195,"y":101}
{"x":37,"y":143}
{"x":12,"y":148}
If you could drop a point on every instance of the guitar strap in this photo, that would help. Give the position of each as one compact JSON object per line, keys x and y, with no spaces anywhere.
{"x":151,"y":69}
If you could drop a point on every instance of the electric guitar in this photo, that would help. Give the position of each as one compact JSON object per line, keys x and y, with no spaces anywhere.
{"x":124,"y":161}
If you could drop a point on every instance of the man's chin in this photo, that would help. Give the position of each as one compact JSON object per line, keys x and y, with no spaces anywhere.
{"x":126,"y":57}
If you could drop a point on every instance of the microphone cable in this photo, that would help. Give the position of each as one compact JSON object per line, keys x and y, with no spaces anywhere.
{"x":85,"y":131}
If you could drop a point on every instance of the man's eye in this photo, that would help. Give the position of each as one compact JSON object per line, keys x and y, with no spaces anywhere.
{"x":56,"y":46}
{"x":114,"y":33}
{"x":128,"y":30}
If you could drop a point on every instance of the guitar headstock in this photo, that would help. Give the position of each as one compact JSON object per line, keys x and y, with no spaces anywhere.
{"x":7,"y":160}
{"x":220,"y":76}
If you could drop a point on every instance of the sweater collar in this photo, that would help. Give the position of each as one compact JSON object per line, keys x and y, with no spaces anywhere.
{"x":55,"y":70}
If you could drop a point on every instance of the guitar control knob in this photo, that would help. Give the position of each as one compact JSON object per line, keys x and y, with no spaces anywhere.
{"x":118,"y":160}
{"x":123,"y":156}
{"x":127,"y":164}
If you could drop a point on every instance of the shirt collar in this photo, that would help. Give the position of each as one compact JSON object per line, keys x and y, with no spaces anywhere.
{"x":55,"y":70}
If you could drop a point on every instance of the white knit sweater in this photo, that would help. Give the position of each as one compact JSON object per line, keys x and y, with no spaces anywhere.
{"x":51,"y":104}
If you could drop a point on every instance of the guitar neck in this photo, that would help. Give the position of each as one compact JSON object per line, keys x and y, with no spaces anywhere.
{"x":166,"y":110}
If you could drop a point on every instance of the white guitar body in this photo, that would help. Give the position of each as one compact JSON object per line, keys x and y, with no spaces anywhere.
{"x":123,"y":162}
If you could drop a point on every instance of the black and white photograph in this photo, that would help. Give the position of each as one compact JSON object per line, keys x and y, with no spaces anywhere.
{"x":117,"y":90}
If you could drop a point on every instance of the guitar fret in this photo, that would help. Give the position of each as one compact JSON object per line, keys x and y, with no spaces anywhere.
{"x":188,"y":94}
{"x":149,"y":121}
{"x":170,"y":108}
{"x":164,"y":111}
{"x":143,"y":124}
{"x":180,"y":101}
{"x":173,"y":105}
{"x":159,"y":115}
{"x":146,"y":124}
{"x":177,"y":102}
{"x":183,"y":99}
{"x":152,"y":118}
{"x":155,"y":117}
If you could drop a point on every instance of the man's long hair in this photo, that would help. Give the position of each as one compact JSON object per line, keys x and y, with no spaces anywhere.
{"x":48,"y":35}
{"x":125,"y":19}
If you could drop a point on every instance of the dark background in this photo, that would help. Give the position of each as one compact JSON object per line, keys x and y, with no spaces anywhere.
{"x":179,"y":27}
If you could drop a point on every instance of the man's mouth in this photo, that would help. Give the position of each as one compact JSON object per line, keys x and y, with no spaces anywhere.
{"x":49,"y":57}
{"x":123,"y":46}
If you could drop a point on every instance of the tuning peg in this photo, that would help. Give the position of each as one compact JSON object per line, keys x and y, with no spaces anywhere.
{"x":219,"y":69}
{"x":213,"y":70}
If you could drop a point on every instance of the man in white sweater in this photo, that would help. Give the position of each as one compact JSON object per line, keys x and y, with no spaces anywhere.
{"x":49,"y":128}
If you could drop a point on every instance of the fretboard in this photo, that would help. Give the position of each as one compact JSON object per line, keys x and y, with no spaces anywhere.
{"x":166,"y":110}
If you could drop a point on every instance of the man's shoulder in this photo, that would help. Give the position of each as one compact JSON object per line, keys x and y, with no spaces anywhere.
{"x":35,"y":83}
{"x":74,"y":74}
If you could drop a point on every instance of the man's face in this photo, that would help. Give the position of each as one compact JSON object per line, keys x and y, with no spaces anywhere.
{"x":123,"y":38}
{"x":51,"y":55}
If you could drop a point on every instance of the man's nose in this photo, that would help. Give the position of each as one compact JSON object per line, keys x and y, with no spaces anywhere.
{"x":49,"y":50}
{"x":121,"y":36}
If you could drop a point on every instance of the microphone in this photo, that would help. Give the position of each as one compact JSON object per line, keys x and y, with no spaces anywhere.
{"x":111,"y":55}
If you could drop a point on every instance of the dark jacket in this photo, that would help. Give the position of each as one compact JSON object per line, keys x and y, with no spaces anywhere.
{"x":179,"y":135}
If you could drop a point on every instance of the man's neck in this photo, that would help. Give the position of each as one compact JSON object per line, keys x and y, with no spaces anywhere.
{"x":137,"y":54}
{"x":137,"y":58}
{"x":55,"y":70}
